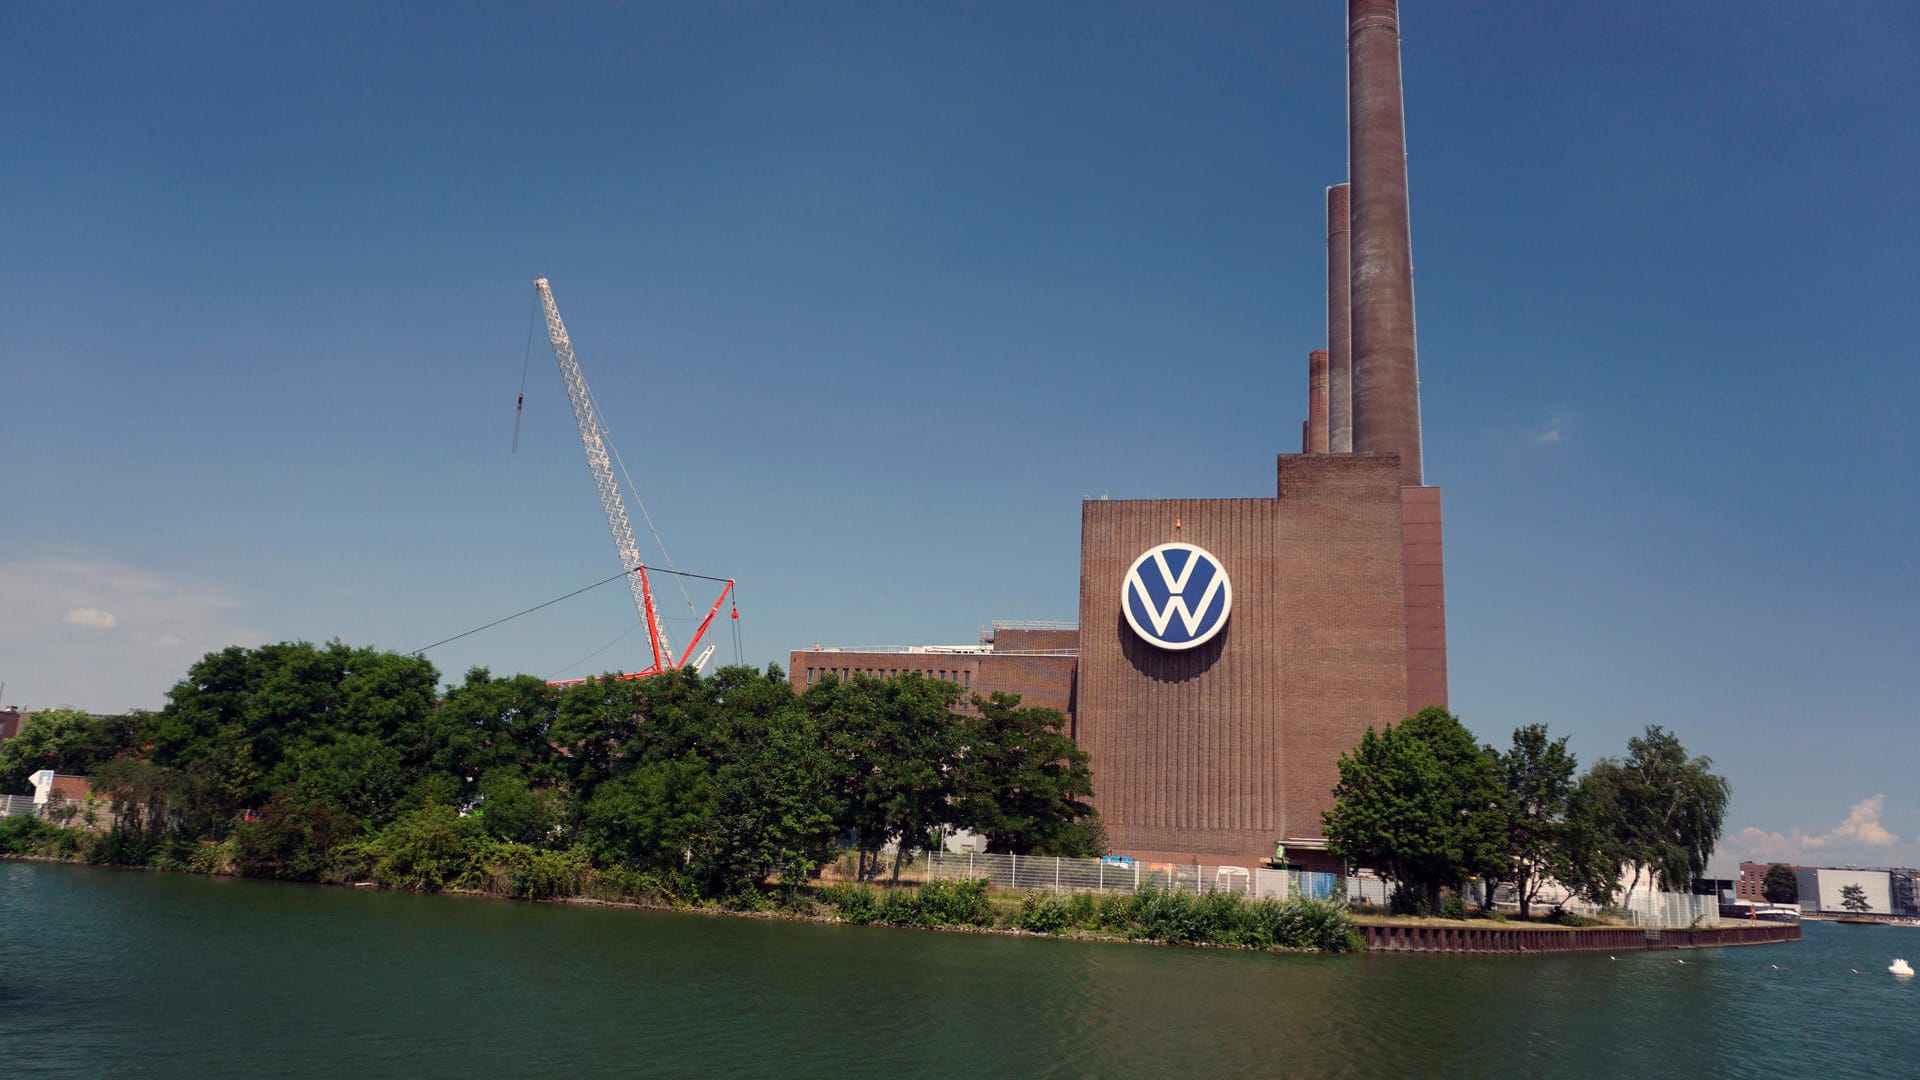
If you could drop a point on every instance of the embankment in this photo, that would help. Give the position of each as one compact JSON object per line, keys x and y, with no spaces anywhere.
{"x":1392,"y":937}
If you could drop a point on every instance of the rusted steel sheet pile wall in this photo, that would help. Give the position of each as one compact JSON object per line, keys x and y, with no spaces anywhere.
{"x":1475,"y":939}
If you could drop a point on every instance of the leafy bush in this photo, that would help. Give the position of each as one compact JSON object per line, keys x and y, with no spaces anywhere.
{"x":1220,"y":917}
{"x":1173,"y":917}
{"x":1113,"y":913}
{"x":1226,"y":919}
{"x":854,"y":903}
{"x":1408,"y":900}
{"x":22,"y":834}
{"x":294,"y":838}
{"x":530,"y":873}
{"x":1044,"y":914}
{"x":1453,"y":908}
{"x":956,"y":903}
{"x":68,"y":842}
{"x":749,"y":897}
{"x":900,"y":907}
{"x":426,"y":850}
{"x":1317,"y":924}
{"x":1568,"y":918}
{"x":671,"y":888}
{"x":211,"y":857}
{"x":797,"y":901}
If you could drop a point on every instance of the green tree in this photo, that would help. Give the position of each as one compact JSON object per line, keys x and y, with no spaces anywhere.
{"x":364,"y":774}
{"x":248,"y":722}
{"x":1590,"y":851}
{"x":1536,"y":778}
{"x":776,"y":806}
{"x":426,"y":850}
{"x":294,"y":838}
{"x":64,"y":740}
{"x":898,"y":743}
{"x":1781,"y":885}
{"x":1854,"y":899}
{"x":1419,"y":801}
{"x":488,"y":723}
{"x":1022,"y":783}
{"x":1671,"y":808}
{"x":510,"y":809}
{"x":650,"y":817}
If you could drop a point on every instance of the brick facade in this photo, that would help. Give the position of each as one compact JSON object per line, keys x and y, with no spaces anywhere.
{"x":1218,"y":753}
{"x":1038,"y":665}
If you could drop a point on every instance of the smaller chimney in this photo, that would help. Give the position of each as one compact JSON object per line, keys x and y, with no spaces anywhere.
{"x":1317,"y":402}
{"x":1339,"y":324}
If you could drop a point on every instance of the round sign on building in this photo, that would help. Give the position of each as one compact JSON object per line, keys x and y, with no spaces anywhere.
{"x":1177,"y":596}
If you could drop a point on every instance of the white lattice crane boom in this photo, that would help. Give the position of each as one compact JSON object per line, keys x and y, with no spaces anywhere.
{"x":594,"y":439}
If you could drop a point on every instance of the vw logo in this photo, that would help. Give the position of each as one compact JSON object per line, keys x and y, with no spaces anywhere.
{"x":1177,"y":596}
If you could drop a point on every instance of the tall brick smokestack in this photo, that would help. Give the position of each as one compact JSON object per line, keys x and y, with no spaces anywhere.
{"x":1317,"y":402}
{"x":1339,"y":325}
{"x":1386,"y":373}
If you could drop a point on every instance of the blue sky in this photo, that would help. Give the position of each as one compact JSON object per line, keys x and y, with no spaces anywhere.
{"x":873,"y":296}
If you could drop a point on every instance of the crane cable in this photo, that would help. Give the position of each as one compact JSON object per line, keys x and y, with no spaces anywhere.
{"x":606,"y":435}
{"x":555,"y":600}
{"x":526,"y":359}
{"x":617,"y":639}
{"x":734,"y":618}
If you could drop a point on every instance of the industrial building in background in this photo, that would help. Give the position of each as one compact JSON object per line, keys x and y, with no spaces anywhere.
{"x":1885,"y":890}
{"x":1229,"y":650}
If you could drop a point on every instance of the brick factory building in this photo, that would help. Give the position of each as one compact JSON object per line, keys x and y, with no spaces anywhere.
{"x":1032,"y":659}
{"x":1229,"y":650}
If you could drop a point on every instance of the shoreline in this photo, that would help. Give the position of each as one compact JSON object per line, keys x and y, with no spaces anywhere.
{"x":709,"y":909}
{"x":1378,"y":934}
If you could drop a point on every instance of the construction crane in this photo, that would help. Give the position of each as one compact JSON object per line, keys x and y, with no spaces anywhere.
{"x":594,"y":438}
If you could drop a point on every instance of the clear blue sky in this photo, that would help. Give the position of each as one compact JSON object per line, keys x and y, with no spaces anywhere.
{"x":873,"y":296}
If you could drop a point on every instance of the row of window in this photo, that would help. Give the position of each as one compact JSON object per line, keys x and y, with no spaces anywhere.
{"x":961,"y":677}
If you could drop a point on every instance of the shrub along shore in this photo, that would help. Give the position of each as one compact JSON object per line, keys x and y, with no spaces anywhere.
{"x":522,"y":872}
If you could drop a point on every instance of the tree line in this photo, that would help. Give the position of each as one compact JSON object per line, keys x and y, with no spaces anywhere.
{"x":1425,"y":804}
{"x":334,"y":763}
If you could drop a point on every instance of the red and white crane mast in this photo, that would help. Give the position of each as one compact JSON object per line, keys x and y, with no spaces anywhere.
{"x":593,"y":437}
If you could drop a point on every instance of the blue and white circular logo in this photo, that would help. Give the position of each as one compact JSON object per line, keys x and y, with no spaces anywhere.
{"x":1177,"y":596}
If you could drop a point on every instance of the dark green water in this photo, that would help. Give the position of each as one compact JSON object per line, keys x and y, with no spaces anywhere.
{"x":117,"y":973}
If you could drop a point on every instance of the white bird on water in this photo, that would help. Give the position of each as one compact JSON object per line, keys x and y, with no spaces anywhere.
{"x":1901,"y":968}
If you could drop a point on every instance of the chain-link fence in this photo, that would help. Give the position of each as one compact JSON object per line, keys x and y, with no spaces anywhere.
{"x":1673,"y":911}
{"x":1122,"y":874}
{"x":1047,"y":873}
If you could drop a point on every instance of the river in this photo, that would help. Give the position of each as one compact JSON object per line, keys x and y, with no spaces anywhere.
{"x":122,"y":973}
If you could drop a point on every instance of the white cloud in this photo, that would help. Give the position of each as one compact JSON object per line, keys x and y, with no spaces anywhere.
{"x":55,"y":650}
{"x":1559,"y":425}
{"x":1861,"y":827}
{"x":92,"y":618}
{"x":1860,"y":838}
